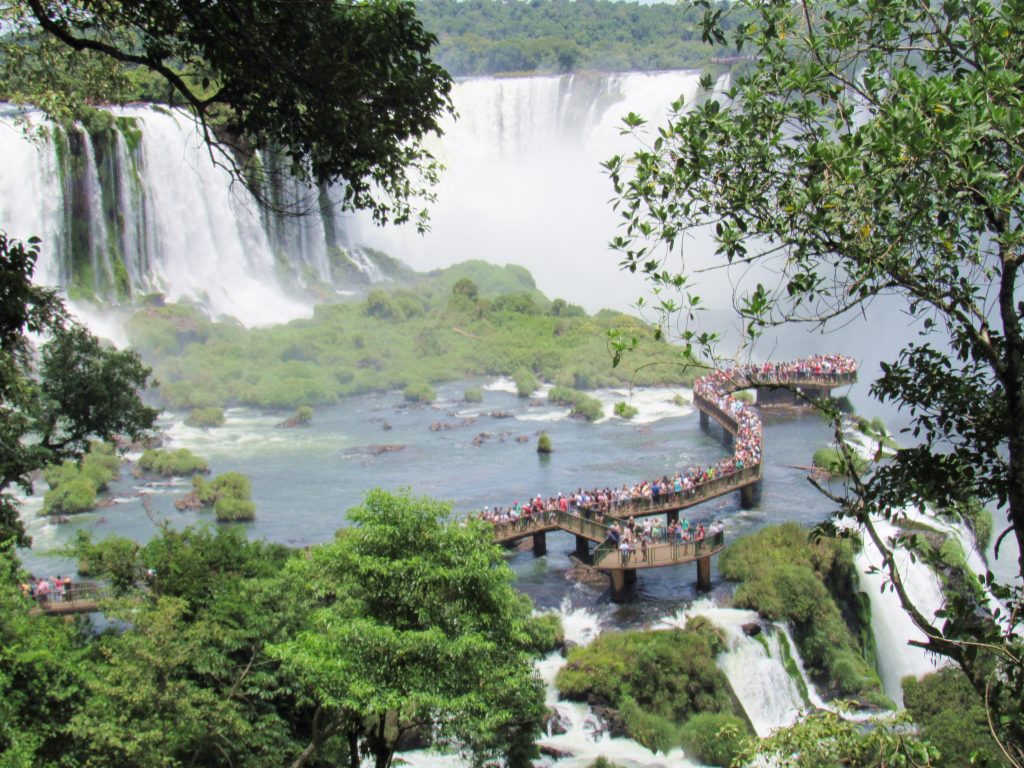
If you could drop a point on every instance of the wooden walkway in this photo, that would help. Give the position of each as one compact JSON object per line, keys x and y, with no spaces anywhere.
{"x":591,"y":527}
{"x":79,"y":599}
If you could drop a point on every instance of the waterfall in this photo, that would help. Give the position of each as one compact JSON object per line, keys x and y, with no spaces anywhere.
{"x":891,"y":625}
{"x":764,"y":670}
{"x":523,"y":182}
{"x":136,"y":203}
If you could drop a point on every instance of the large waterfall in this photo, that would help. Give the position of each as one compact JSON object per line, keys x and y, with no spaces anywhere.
{"x":139,"y":205}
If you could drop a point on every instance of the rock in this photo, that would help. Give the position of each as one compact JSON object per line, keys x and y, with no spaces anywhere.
{"x":105,"y":503}
{"x":292,"y":422}
{"x":584,"y":574}
{"x":537,"y":402}
{"x":751,"y":628}
{"x":523,"y":439}
{"x":615,"y":726}
{"x":567,"y":646}
{"x":386,"y":426}
{"x":439,"y":426}
{"x":188,"y":501}
{"x":552,"y":723}
{"x":501,"y":414}
{"x":482,"y":438}
{"x":554,"y":752}
{"x":374,"y":450}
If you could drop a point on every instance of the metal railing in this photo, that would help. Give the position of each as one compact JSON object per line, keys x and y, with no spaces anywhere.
{"x":77,"y":597}
{"x":608,"y":554}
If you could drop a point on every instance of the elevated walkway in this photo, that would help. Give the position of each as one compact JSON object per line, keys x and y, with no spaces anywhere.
{"x":802,"y":381}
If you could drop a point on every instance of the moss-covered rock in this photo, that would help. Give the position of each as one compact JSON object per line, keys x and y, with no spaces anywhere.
{"x":656,"y":680}
{"x":786,"y":576}
{"x":178,"y":463}
{"x":206,"y":418}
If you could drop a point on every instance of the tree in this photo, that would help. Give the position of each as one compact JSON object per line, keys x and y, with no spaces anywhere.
{"x":77,"y":391}
{"x":418,"y":629}
{"x":345,"y":91}
{"x":868,"y":150}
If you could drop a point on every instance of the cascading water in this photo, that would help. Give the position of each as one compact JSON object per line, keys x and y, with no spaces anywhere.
{"x":523,"y":182}
{"x":764,"y":670}
{"x":523,"y":185}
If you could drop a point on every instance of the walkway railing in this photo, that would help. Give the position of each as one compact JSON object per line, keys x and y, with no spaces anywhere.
{"x":608,"y":554}
{"x":80,"y":598}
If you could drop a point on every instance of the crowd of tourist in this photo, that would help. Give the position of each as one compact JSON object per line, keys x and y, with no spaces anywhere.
{"x":47,"y":590}
{"x":608,"y":506}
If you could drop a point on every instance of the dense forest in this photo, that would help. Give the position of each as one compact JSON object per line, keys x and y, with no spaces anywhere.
{"x":483,"y":37}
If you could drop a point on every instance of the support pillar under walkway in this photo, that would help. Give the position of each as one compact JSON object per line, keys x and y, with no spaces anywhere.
{"x":622,"y":581}
{"x":705,"y":421}
{"x":750,"y":495}
{"x":540,"y":544}
{"x":704,"y":574}
{"x":583,"y":549}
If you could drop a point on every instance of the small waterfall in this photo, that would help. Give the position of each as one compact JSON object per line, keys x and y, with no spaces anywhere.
{"x":764,"y":670}
{"x":89,"y":209}
{"x":892,"y":627}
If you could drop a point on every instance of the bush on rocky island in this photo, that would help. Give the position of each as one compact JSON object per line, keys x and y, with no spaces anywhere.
{"x":74,"y":485}
{"x":419,"y":393}
{"x":206,"y":417}
{"x":170,"y":463}
{"x":786,"y":576}
{"x":657,"y":680}
{"x":582,"y":405}
{"x":625,"y":410}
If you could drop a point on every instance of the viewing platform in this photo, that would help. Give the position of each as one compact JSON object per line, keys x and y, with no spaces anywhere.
{"x":84,"y":598}
{"x":799,"y":382}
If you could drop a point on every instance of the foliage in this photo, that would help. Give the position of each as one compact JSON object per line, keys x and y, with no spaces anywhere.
{"x":526,"y":382}
{"x":74,"y":485}
{"x":231,"y":510}
{"x":837,"y":463}
{"x":362,"y":118}
{"x":419,"y":393}
{"x":230,"y":495}
{"x":625,"y":411}
{"x":657,"y":679}
{"x":951,"y":716}
{"x":473,"y":395}
{"x":176,"y":463}
{"x":784,"y":577}
{"x":544,"y":443}
{"x":303,"y":414}
{"x":872,"y":150}
{"x":52,"y":406}
{"x":315,"y":362}
{"x":206,"y":417}
{"x":419,"y":623}
{"x":549,"y":634}
{"x":583,"y":405}
{"x":115,"y":559}
{"x":486,"y":37}
{"x":826,"y":738}
{"x":713,"y":738}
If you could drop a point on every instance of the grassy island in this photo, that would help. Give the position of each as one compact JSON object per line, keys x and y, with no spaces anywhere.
{"x":472,"y":319}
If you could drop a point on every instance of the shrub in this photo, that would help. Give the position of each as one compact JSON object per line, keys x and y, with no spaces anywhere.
{"x":950,"y":714}
{"x":831,"y":460}
{"x":656,"y":733}
{"x":679,"y":400}
{"x":473,"y":395}
{"x":419,"y":393}
{"x":70,"y":497}
{"x":206,"y":417}
{"x":713,"y":738}
{"x":173,"y":463}
{"x":581,"y":403}
{"x":303,"y":414}
{"x":544,"y":443}
{"x":526,"y":382}
{"x":744,"y":396}
{"x":547,"y":633}
{"x":229,"y":510}
{"x":625,"y":410}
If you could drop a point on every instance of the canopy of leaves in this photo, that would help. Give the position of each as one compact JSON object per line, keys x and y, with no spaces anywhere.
{"x":345,"y":91}
{"x":868,"y":150}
